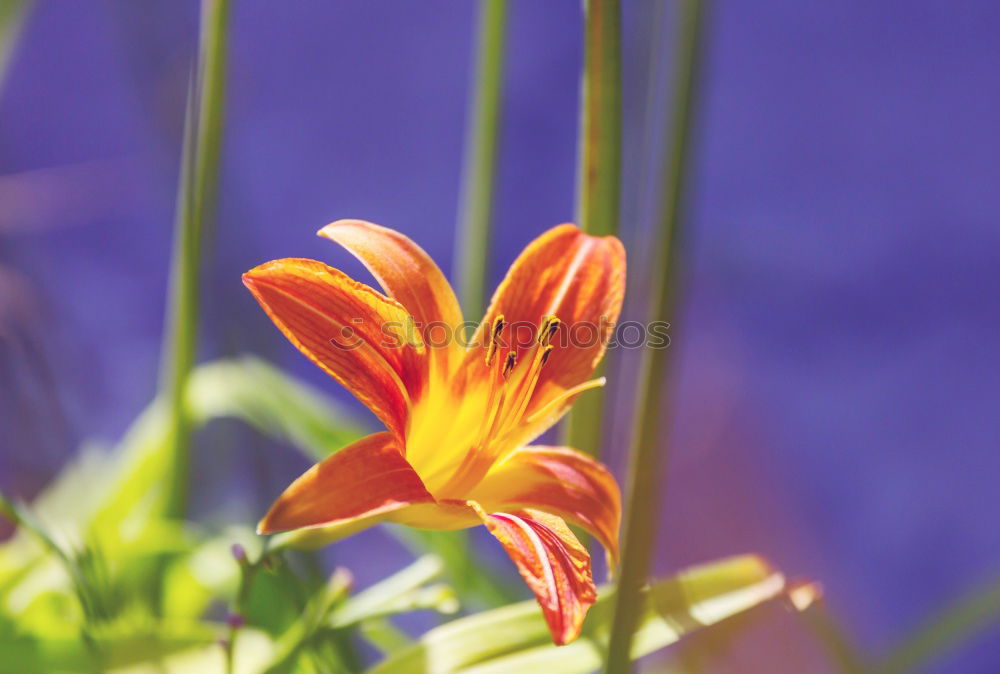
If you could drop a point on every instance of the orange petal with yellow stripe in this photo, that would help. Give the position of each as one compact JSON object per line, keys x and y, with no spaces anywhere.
{"x":561,"y":481}
{"x":407,"y":274}
{"x":552,"y":562}
{"x":355,"y":334}
{"x":364,"y":481}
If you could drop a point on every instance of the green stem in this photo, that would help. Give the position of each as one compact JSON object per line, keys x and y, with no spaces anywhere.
{"x":644,"y":486}
{"x":479,"y":175}
{"x":598,"y":198}
{"x":958,"y":623}
{"x":12,"y":16}
{"x":843,"y":654}
{"x":599,"y":161}
{"x":248,"y":572}
{"x":195,"y":205}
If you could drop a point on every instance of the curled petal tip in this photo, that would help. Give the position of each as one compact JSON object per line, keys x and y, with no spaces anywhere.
{"x":344,"y":222}
{"x":266,"y":526}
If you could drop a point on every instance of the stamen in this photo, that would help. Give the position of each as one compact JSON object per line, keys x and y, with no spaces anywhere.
{"x":528,"y":383}
{"x":508,"y":397}
{"x":531,"y":377}
{"x":496,"y":415}
{"x":491,"y":408}
{"x":548,"y":330}
{"x":509,"y":364}
{"x":492,"y":337}
{"x":553,"y":404}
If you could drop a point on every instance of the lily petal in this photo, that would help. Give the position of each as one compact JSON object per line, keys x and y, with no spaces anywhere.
{"x":552,"y":562}
{"x":561,"y":481}
{"x":355,"y":334}
{"x":363,"y":481}
{"x":571,"y":275}
{"x":407,"y":274}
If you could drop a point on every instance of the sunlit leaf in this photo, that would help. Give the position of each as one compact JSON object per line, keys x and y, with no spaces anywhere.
{"x":463,"y":567}
{"x":117,"y":647}
{"x":290,"y":645}
{"x":401,"y":592}
{"x":247,"y":389}
{"x":515,"y":638}
{"x":255,"y":647}
{"x":272,"y":402}
{"x":384,"y":636}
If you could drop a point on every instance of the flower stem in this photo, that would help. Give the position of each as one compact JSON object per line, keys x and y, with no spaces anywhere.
{"x":644,"y":486}
{"x":479,"y":174}
{"x":195,"y":205}
{"x":598,"y":195}
{"x":13,"y":14}
{"x":956,"y":624}
{"x":599,"y":165}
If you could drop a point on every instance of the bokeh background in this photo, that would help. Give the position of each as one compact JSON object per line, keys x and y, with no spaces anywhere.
{"x":839,"y":368}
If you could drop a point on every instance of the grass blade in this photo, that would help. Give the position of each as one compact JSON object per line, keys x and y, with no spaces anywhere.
{"x":599,"y":159}
{"x":195,"y":204}
{"x":643,"y":488}
{"x":479,"y":174}
{"x":12,"y":16}
{"x":957,"y":623}
{"x":598,"y":172}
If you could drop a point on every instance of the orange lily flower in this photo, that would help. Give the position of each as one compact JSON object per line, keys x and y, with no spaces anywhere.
{"x":459,"y":416}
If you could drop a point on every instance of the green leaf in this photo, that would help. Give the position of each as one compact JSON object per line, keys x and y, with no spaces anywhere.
{"x":463,"y":566}
{"x":295,"y":639}
{"x":401,"y":592}
{"x":515,"y":638}
{"x":384,"y":636}
{"x":111,"y":501}
{"x":272,"y":402}
{"x":117,"y":646}
{"x":245,"y":388}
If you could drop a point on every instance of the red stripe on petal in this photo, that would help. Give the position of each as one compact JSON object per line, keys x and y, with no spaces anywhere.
{"x":552,"y":562}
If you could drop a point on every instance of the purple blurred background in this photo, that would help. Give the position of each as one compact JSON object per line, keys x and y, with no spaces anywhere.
{"x":839,"y":367}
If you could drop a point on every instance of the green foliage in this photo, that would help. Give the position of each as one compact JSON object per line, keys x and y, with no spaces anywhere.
{"x":98,"y":576}
{"x":515,"y":638}
{"x":276,"y":405}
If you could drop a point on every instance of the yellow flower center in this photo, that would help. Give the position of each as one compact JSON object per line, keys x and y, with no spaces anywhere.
{"x":454,"y":440}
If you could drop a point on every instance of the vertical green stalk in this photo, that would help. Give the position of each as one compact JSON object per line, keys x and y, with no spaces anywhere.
{"x":843,"y":656}
{"x":598,"y":197}
{"x":12,"y":16}
{"x":959,"y":622}
{"x":479,"y":174}
{"x":599,"y":161}
{"x":196,"y":196}
{"x":651,"y":423}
